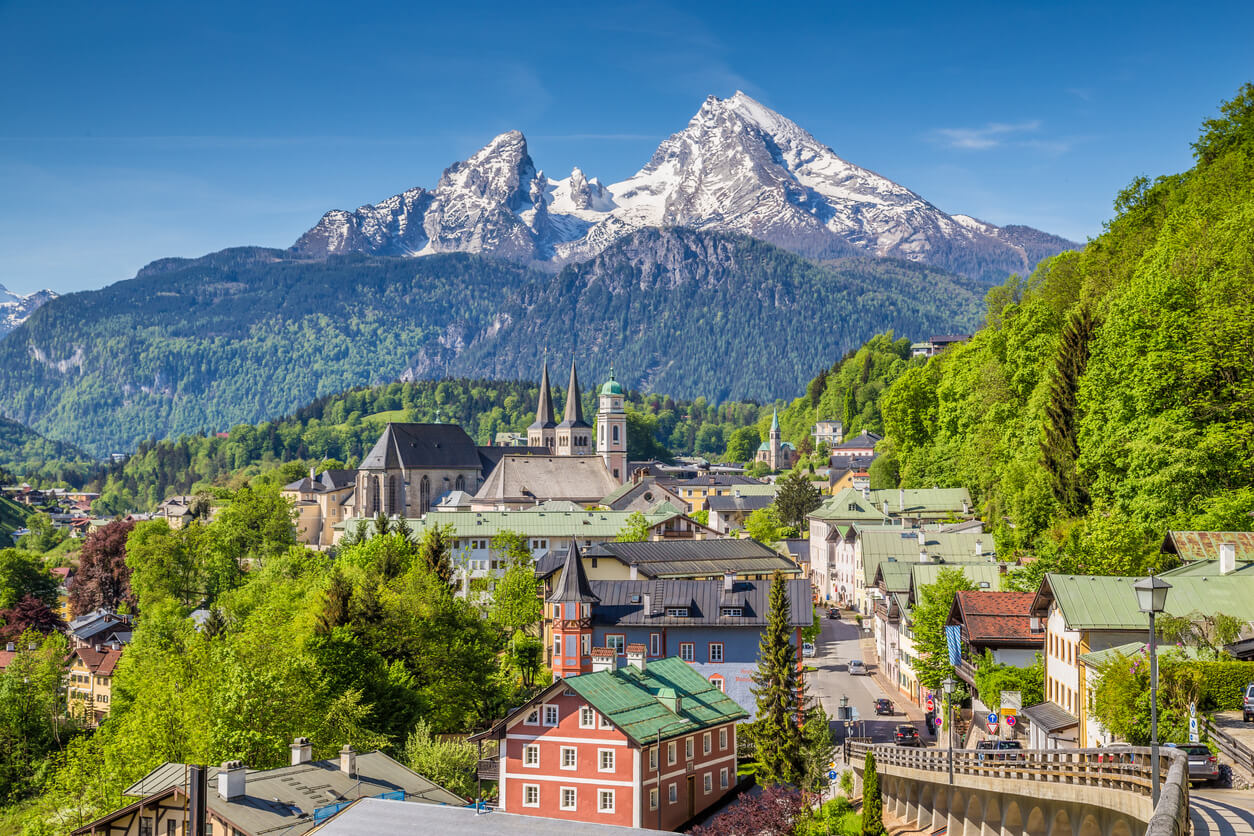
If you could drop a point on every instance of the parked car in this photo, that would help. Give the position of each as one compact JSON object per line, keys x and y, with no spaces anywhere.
{"x":1247,"y":709}
{"x":906,"y":736}
{"x":1203,"y":766}
{"x":833,"y":613}
{"x":807,"y":649}
{"x":999,"y":750}
{"x":884,"y":707}
{"x":856,"y":668}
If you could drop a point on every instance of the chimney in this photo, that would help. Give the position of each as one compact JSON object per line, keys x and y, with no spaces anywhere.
{"x":1035,"y":624}
{"x":633,"y":572}
{"x":636,"y":654}
{"x":348,"y":761}
{"x":669,"y":699}
{"x":100,"y":648}
{"x":302,"y":752}
{"x":924,"y":557}
{"x":231,"y":781}
{"x":922,"y":538}
{"x":1227,"y":558}
{"x":198,"y":799}
{"x":604,"y":659}
{"x":866,"y":493}
{"x":729,"y":580}
{"x":901,"y":500}
{"x":966,"y":508}
{"x":312,"y":475}
{"x":10,"y":647}
{"x":979,"y":548}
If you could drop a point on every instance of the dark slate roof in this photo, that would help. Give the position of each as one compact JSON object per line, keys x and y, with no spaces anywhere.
{"x":1049,"y":717}
{"x":574,"y":404}
{"x":723,"y":504}
{"x":720,"y":480}
{"x":375,"y":816}
{"x":623,"y":603}
{"x":573,"y":586}
{"x":861,"y":441}
{"x":422,"y":445}
{"x":544,"y":409}
{"x":696,"y":558}
{"x":327,"y":480}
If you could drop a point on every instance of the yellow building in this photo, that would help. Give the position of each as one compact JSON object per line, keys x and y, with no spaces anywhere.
{"x":320,"y":501}
{"x":89,"y":687}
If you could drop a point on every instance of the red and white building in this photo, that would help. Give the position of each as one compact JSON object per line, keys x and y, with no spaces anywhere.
{"x":590,"y":748}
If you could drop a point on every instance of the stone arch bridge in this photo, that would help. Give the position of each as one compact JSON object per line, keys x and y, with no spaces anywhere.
{"x":1054,"y":792}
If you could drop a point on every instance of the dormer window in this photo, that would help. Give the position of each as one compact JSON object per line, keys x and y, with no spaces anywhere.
{"x":732,"y":612}
{"x":677,"y":612}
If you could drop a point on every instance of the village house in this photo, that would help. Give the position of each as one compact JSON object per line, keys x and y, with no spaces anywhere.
{"x":647,"y":743}
{"x":715,"y":626}
{"x":320,"y":500}
{"x":995,"y":622}
{"x":696,"y":492}
{"x":89,"y":681}
{"x":728,"y":513}
{"x":238,"y":801}
{"x":831,"y":433}
{"x":860,"y":446}
{"x":100,"y":627}
{"x":935,"y":345}
{"x":643,"y":494}
{"x":745,"y":559}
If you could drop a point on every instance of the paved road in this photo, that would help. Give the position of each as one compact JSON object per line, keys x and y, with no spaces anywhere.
{"x":840,"y":642}
{"x":1222,"y":812}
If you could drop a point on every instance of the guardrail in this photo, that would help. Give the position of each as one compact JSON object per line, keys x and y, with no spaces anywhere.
{"x":1231,"y":748}
{"x":1120,"y":768}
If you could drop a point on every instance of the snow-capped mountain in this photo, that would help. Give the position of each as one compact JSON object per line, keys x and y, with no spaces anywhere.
{"x":738,"y":167}
{"x":14,"y":308}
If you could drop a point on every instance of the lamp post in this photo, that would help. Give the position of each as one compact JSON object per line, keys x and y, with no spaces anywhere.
{"x":1151,"y":597}
{"x":948,"y":687}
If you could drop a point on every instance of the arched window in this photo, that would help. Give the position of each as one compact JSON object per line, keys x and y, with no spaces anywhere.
{"x":616,"y":432}
{"x":460,"y":484}
{"x":380,"y":492}
{"x":371,"y":499}
{"x":424,"y":494}
{"x":392,"y":505}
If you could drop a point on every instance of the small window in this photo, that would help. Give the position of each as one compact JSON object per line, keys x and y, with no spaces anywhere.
{"x":569,"y":757}
{"x":717,"y":682}
{"x":709,"y":783}
{"x":568,"y":798}
{"x":707,"y":743}
{"x":605,"y":760}
{"x":653,"y":798}
{"x":689,"y":747}
{"x":653,"y":759}
{"x":655,"y":644}
{"x":722,"y":778}
{"x":550,"y":715}
{"x":722,"y":739}
{"x":671,"y":756}
{"x":677,"y":612}
{"x":618,"y":642}
{"x":605,"y":801}
{"x":687,"y":651}
{"x":605,"y":722}
{"x":587,"y":719}
{"x":531,"y":755}
{"x":731,"y":612}
{"x":145,"y":827}
{"x":585,"y":642}
{"x":672,"y":793}
{"x":716,"y":651}
{"x":531,"y":795}
{"x":533,"y":717}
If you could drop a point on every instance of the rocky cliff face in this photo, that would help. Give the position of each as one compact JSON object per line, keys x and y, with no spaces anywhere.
{"x":15,"y":308}
{"x":737,"y":167}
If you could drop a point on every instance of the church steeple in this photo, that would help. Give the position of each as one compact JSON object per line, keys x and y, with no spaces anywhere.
{"x":574,"y":435}
{"x":541,"y":432}
{"x":572,"y":600}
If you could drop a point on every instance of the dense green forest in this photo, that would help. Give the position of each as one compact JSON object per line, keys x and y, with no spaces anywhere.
{"x":1110,"y":396}
{"x":343,"y":427}
{"x":244,"y":335}
{"x":26,"y":454}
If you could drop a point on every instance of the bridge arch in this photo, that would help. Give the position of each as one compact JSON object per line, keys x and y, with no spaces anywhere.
{"x":973,"y":821}
{"x":1121,"y":828}
{"x":1061,"y":825}
{"x":992,"y":817}
{"x":1036,"y":823}
{"x":1089,"y":826}
{"x":1012,"y":821}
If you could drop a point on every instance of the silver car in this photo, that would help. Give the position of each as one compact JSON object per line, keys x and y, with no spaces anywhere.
{"x":856,"y":668}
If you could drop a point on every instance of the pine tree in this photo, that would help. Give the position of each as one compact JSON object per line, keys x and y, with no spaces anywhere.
{"x":382,"y":525}
{"x":1059,"y":449}
{"x":779,"y":692}
{"x":796,"y":498}
{"x":872,"y":801}
{"x":436,"y":551}
{"x":336,"y":604}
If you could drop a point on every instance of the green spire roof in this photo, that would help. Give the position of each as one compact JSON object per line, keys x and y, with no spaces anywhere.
{"x":775,"y":421}
{"x":611,"y":386}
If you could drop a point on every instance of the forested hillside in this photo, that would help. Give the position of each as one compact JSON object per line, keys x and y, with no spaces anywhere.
{"x":1110,"y":396}
{"x":240,"y":336}
{"x":344,"y":426}
{"x":27,"y":455}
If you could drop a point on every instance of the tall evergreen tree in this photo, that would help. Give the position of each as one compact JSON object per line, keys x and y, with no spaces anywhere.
{"x":796,"y":498}
{"x":436,"y":551}
{"x":1059,"y":449}
{"x":336,"y":604}
{"x":872,"y":801}
{"x":780,"y":695}
{"x":382,"y":525}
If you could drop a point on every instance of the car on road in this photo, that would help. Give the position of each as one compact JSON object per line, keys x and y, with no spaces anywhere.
{"x":856,"y":668}
{"x":884,"y":707}
{"x":833,"y":613}
{"x":1247,"y":708}
{"x":906,"y":736}
{"x":1005,"y":750}
{"x":807,"y":649}
{"x":1203,"y":765}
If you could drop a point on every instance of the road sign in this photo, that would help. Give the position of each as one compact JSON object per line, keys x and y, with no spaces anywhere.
{"x":1194,"y":738}
{"x":992,"y":728}
{"x":931,"y":706}
{"x":831,"y":775}
{"x":831,"y":764}
{"x":1012,"y":700}
{"x":1010,"y":721}
{"x":1193,"y":724}
{"x":940,"y":721}
{"x":992,"y":719}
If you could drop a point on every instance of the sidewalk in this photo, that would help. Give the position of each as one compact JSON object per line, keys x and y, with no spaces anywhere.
{"x":900,"y":702}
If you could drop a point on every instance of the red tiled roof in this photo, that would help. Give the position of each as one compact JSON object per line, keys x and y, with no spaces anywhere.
{"x":62,"y":572}
{"x":99,"y":662}
{"x":6,"y":656}
{"x":997,"y":617}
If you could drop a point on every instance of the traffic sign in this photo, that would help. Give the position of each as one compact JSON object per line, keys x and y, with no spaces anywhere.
{"x":992,"y":728}
{"x":931,"y":706}
{"x":831,"y":775}
{"x":1010,"y":721}
{"x":992,"y":719}
{"x":831,"y":764}
{"x":940,"y":721}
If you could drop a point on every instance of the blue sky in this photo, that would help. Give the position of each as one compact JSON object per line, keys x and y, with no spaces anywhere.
{"x":133,"y":131}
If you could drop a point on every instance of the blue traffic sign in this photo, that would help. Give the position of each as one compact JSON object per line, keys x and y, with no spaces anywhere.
{"x":992,"y":718}
{"x":831,"y":775}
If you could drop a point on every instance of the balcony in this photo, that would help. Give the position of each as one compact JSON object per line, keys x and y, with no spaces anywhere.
{"x":489,"y":769}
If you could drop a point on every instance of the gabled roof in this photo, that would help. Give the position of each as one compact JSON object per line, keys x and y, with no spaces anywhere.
{"x":544,"y":409}
{"x":99,"y":662}
{"x":1049,"y":717}
{"x":850,"y":505}
{"x":1204,"y":545}
{"x":1109,"y":602}
{"x":880,"y":543}
{"x":585,"y":525}
{"x":696,"y":558}
{"x":863,"y":440}
{"x":572,"y":587}
{"x":1097,"y":658}
{"x":718,"y":480}
{"x":629,"y":697}
{"x":379,"y":816}
{"x":643,"y":602}
{"x":997,"y":618}
{"x":422,"y":445}
{"x":726,"y":504}
{"x":517,"y":479}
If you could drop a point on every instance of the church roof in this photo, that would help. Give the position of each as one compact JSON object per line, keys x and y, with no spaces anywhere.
{"x":422,"y":445}
{"x":544,"y":410}
{"x":573,"y":586}
{"x":533,"y":478}
{"x":612,"y":386}
{"x":574,"y":404}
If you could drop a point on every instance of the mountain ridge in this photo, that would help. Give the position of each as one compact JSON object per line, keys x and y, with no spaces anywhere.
{"x":737,"y":166}
{"x":15,"y":308}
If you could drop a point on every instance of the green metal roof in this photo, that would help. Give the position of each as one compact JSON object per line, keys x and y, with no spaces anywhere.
{"x":879,"y":543}
{"x":1205,"y":568}
{"x":925,"y":574}
{"x":762,"y":489}
{"x":849,"y":505}
{"x":1097,"y":658}
{"x":1109,"y":603}
{"x":922,"y":501}
{"x":590,"y":525}
{"x":1204,"y":545}
{"x":629,"y":697}
{"x":896,"y":576}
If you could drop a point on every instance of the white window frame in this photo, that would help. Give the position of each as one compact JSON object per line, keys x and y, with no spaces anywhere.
{"x":530,"y":749}
{"x":605,"y":722}
{"x":532,"y":718}
{"x":721,"y":655}
{"x":601,"y":767}
{"x":672,"y":754}
{"x":527,"y":788}
{"x":574,"y":757}
{"x":587,"y":717}
{"x":691,"y":647}
{"x":722,"y":778}
{"x":653,"y":753}
{"x":561,"y":798}
{"x":707,"y":743}
{"x":551,"y":708}
{"x":655,"y":644}
{"x":653,"y":798}
{"x":722,"y":738}
{"x":676,"y":612}
{"x":616,"y":641}
{"x":690,"y":748}
{"x":672,"y":793}
{"x":708,"y":784}
{"x":602,"y":794}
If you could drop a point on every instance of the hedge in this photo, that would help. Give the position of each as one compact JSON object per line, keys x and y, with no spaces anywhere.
{"x":1223,"y":684}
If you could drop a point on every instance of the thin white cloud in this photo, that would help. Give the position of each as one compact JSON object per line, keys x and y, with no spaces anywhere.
{"x":992,"y":135}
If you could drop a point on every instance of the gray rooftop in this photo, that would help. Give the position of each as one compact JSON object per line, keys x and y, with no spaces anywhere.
{"x":645,"y":603}
{"x":375,"y":817}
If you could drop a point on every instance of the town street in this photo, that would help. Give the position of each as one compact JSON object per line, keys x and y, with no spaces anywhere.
{"x":839,"y":642}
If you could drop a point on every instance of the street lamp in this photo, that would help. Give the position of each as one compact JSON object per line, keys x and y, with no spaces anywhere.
{"x":948,"y":687}
{"x":1151,"y":597}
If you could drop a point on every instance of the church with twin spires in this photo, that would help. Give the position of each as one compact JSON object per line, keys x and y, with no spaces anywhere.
{"x":573,"y":436}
